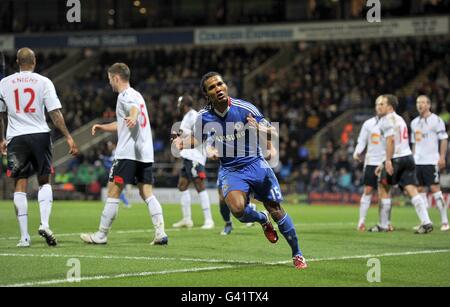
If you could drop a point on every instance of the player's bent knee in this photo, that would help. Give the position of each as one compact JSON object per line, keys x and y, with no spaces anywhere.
{"x":368,"y":190}
{"x":114,"y":189}
{"x":183,"y":184}
{"x":199,"y":185}
{"x":43,"y":180}
{"x":21,"y":185}
{"x":434,"y":189}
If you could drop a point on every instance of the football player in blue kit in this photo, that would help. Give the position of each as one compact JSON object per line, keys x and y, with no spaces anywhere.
{"x":234,"y":125}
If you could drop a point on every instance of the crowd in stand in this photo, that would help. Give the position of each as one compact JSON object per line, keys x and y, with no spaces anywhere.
{"x":335,"y":171}
{"x":44,"y":61}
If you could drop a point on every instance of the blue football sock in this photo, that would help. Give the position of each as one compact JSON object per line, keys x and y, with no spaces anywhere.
{"x":225,"y":212}
{"x":251,"y":216}
{"x":124,"y":199}
{"x":286,"y":227}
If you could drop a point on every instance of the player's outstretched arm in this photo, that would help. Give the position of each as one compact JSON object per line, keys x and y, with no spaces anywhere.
{"x":58,"y":121}
{"x":111,"y":127}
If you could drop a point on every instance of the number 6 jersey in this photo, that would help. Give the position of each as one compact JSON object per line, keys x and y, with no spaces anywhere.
{"x":25,"y":96}
{"x":133,"y":143}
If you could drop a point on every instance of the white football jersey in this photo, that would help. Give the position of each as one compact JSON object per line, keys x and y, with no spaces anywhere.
{"x":197,"y":154}
{"x":426,"y":134}
{"x":25,"y":96}
{"x":133,"y":143}
{"x":394,"y":125}
{"x":370,"y":137}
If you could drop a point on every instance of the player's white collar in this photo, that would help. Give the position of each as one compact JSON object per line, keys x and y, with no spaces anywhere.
{"x":425,"y":117}
{"x":124,"y":90}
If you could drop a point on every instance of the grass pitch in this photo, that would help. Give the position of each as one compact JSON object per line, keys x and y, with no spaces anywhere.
{"x":337,"y":254}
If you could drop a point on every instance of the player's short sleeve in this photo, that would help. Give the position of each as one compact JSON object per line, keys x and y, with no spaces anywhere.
{"x":51,"y":100}
{"x":387,"y":127}
{"x":129,"y":102}
{"x":441,"y":130}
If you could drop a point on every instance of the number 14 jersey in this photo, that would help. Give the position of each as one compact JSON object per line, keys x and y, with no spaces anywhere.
{"x":394,"y":125}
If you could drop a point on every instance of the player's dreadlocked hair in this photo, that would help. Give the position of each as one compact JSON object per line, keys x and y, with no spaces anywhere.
{"x":202,"y":86}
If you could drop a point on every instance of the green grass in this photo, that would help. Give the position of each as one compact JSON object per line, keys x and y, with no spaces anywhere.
{"x":244,"y":258}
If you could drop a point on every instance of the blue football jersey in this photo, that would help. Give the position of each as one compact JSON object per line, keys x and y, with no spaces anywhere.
{"x":237,"y":144}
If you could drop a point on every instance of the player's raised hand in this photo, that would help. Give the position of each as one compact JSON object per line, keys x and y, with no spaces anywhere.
{"x":130,"y":121}
{"x":73,"y":148}
{"x":176,"y":140}
{"x":252,"y":121}
{"x":95,"y":128}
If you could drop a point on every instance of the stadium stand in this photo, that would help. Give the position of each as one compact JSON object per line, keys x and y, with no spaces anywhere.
{"x":321,"y":83}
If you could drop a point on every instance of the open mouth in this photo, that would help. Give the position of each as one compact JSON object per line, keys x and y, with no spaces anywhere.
{"x":220,"y":96}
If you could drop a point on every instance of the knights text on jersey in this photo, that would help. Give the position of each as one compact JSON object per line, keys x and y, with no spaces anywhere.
{"x":25,"y":96}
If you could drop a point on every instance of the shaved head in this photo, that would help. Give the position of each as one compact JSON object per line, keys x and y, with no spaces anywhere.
{"x":26,"y":57}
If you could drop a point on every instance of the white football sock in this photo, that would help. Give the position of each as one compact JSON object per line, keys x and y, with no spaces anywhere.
{"x":385,"y":212}
{"x":425,"y":198}
{"x":421,"y":209}
{"x":364,"y":208}
{"x":21,"y":204}
{"x":108,"y":216}
{"x":45,"y":198}
{"x":206,"y":206}
{"x":186,"y":205}
{"x":155,"y":210}
{"x":389,"y":202}
{"x":442,"y":206}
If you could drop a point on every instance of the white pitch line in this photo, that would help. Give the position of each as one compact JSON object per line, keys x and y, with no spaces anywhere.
{"x":410,"y":253}
{"x":237,"y":263}
{"x":130,"y":258}
{"x":126,"y":275}
{"x":175,"y":229}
